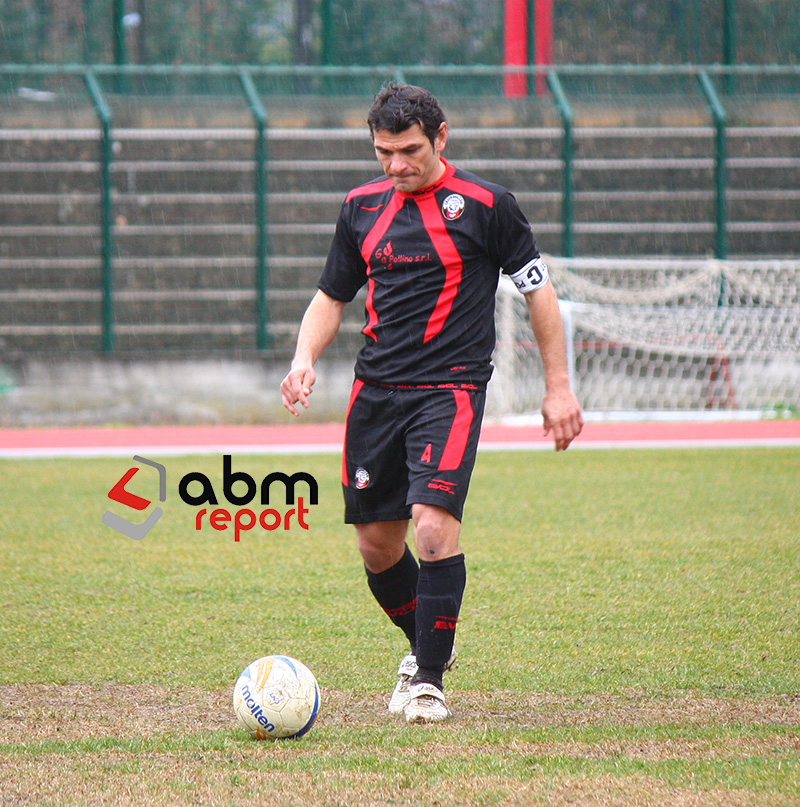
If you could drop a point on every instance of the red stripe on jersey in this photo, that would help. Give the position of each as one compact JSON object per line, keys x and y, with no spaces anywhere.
{"x":466,"y":188}
{"x":369,"y":188}
{"x":357,"y":385}
{"x":380,"y":227}
{"x":459,"y":433}
{"x":372,"y":314}
{"x":367,"y":248}
{"x":446,"y":249}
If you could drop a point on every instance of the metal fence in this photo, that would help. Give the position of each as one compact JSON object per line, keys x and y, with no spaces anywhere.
{"x":347,"y":32}
{"x":721,"y":92}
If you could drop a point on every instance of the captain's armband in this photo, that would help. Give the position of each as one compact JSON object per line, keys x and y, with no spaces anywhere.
{"x":532,"y":276}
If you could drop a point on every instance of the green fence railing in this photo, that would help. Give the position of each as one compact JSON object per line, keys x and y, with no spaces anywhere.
{"x":720,"y":162}
{"x":567,"y":153}
{"x":262,"y":243}
{"x":104,"y":115}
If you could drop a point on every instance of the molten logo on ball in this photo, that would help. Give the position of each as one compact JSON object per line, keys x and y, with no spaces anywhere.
{"x":276,"y":697}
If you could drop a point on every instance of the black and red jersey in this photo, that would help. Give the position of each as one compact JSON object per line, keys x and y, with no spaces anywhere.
{"x":431,"y":261}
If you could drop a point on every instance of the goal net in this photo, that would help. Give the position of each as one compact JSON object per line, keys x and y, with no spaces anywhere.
{"x":660,"y":335}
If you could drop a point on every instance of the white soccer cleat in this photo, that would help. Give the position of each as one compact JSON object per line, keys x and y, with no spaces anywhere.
{"x":400,"y":696}
{"x":426,"y":704}
{"x":402,"y":689}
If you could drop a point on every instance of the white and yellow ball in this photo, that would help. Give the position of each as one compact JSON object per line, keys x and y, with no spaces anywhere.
{"x":276,"y":697}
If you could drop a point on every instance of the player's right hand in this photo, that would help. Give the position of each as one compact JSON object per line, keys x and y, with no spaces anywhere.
{"x":297,"y":387}
{"x":562,"y":415}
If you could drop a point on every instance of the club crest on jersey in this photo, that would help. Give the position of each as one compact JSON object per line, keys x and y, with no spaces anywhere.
{"x":453,"y":206}
{"x":362,"y":478}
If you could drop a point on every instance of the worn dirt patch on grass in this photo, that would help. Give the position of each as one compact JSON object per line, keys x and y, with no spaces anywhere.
{"x":30,"y":712}
{"x":161,"y":780}
{"x":642,"y":791}
{"x":39,"y":722}
{"x":544,"y":710}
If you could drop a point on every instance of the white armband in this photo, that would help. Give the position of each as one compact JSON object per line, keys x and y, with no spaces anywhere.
{"x":532,"y":276}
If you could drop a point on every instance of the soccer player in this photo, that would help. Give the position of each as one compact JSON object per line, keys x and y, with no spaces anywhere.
{"x":429,"y":241}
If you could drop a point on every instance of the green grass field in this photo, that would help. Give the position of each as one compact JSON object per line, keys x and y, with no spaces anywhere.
{"x":630,"y":636}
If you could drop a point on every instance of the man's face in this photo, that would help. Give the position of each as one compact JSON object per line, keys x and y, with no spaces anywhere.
{"x":409,"y":159}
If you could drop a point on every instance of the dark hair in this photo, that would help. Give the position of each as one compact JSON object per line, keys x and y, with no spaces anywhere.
{"x":398,"y":107}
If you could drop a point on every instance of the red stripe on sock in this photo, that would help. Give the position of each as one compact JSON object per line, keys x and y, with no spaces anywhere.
{"x":402,"y":610}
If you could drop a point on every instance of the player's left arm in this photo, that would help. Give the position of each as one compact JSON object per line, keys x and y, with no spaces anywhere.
{"x":560,"y":408}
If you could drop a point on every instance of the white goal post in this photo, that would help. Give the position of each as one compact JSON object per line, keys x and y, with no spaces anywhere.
{"x":656,"y":335}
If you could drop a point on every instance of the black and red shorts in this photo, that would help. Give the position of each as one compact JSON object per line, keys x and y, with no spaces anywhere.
{"x":406,"y":446}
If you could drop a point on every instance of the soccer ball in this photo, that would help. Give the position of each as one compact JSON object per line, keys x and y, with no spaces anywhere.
{"x":276,"y":697}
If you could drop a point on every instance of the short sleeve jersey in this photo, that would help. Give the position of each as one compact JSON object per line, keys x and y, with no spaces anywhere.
{"x":431,"y":263}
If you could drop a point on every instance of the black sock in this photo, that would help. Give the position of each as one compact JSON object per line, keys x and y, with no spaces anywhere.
{"x":395,"y":589}
{"x":439,"y":593}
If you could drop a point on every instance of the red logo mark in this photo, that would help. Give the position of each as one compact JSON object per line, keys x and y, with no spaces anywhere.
{"x":440,"y":484}
{"x":403,"y":609}
{"x":426,"y":454}
{"x":119,"y":494}
{"x":445,"y":623}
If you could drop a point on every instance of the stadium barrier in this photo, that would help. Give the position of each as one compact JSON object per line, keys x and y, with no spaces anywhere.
{"x":263,"y":291}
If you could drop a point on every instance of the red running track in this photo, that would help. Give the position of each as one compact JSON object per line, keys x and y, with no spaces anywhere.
{"x":296,"y":438}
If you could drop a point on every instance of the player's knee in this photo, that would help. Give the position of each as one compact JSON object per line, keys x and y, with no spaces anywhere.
{"x":381,"y":544}
{"x":376,"y":558}
{"x":436,"y":532}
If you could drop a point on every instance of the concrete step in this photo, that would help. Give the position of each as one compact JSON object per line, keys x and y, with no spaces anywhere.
{"x":671,"y":142}
{"x":687,"y":206}
{"x":679,"y":174}
{"x":319,"y":176}
{"x":161,"y":209}
{"x":28,"y":273}
{"x":202,"y":240}
{"x":781,"y":174}
{"x":773,"y":239}
{"x":218,"y":241}
{"x":46,"y":145}
{"x":146,"y":307}
{"x":685,"y":239}
{"x":763,"y":141}
{"x":611,"y":239}
{"x":87,"y":336}
{"x":349,"y":144}
{"x":158,"y":273}
{"x":314,"y":176}
{"x":614,"y":143}
{"x":229,"y":339}
{"x":281,"y":143}
{"x":157,"y":309}
{"x":166,"y":208}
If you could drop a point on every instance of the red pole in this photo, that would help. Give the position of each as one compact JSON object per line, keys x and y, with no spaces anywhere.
{"x":515,"y":47}
{"x":542,"y":39}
